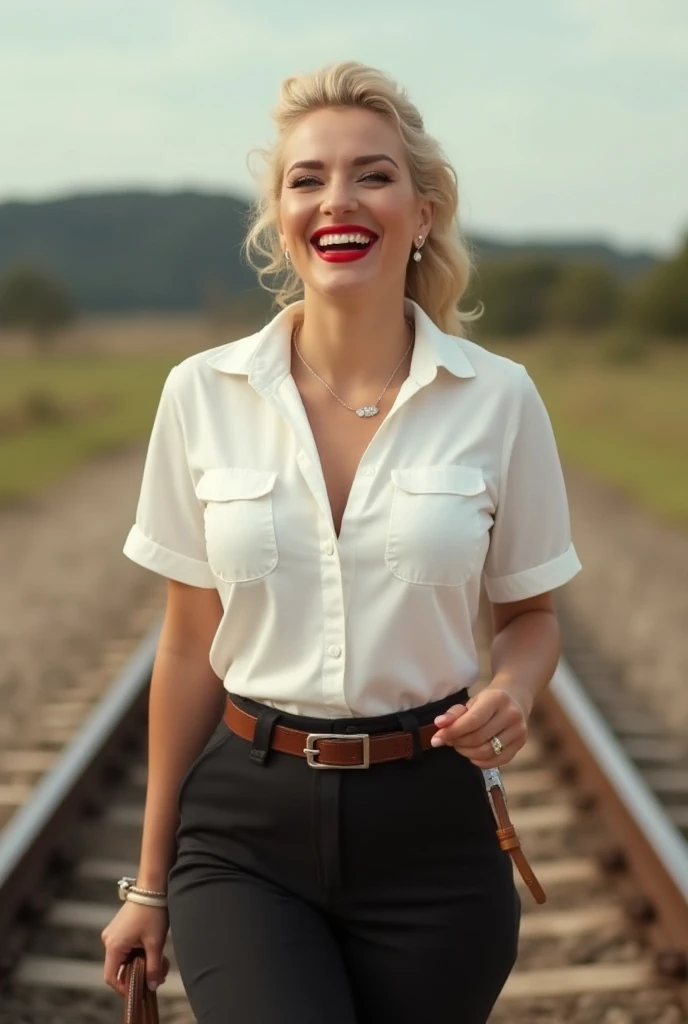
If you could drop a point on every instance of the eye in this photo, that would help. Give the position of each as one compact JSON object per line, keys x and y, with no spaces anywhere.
{"x":306,"y":179}
{"x":376,"y":176}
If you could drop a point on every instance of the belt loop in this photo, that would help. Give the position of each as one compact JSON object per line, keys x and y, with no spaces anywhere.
{"x":409,"y":723}
{"x":262,"y":736}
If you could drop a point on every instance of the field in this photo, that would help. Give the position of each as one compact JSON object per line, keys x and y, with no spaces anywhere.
{"x":97,"y":393}
{"x":626,"y":423}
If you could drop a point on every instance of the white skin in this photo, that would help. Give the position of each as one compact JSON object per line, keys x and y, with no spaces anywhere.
{"x":353,"y":334}
{"x":353,"y":330}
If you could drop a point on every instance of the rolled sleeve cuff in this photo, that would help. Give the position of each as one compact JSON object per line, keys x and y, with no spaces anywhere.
{"x":174,"y":566}
{"x":531,"y":582}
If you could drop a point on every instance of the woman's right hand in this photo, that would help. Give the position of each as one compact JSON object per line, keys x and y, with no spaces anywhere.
{"x":136,"y":925}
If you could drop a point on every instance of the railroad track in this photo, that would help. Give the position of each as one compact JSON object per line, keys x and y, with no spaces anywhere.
{"x":602,"y":813}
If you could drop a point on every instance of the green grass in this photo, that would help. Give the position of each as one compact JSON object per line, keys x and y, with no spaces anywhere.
{"x":128,"y":389}
{"x":626,"y":424}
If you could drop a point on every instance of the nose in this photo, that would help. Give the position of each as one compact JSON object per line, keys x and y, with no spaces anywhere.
{"x":339,"y":198}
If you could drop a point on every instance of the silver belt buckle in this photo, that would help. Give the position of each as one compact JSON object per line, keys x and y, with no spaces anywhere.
{"x":311,"y":751}
{"x":493,"y":780}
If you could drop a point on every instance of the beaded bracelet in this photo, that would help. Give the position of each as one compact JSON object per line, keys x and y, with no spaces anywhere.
{"x":128,"y":889}
{"x":146,"y":892}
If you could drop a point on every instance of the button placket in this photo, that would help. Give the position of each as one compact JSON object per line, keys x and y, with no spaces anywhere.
{"x":333,"y":636}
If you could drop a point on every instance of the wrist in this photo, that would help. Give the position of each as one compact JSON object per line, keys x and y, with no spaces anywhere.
{"x":155,"y":880}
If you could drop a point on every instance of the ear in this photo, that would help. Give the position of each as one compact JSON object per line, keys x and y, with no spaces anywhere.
{"x":426,"y":217}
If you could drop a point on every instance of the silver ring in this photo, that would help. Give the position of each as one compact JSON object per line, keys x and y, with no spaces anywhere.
{"x":496,"y":745}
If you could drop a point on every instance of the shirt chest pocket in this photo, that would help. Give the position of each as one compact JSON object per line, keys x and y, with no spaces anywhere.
{"x":435,"y":524}
{"x":239,"y":523}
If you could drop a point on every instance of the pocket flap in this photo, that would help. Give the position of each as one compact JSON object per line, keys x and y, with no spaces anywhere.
{"x":465,"y":480}
{"x":227,"y":483}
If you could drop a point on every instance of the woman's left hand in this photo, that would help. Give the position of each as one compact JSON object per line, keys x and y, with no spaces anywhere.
{"x":468,"y":728}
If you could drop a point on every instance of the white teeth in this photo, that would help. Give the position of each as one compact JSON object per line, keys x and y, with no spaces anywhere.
{"x":344,"y":239}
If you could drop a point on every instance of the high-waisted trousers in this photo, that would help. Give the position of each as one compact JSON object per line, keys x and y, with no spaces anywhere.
{"x":374,"y":896}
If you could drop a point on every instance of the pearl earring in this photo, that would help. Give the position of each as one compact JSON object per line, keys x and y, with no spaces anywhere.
{"x":418,"y":255}
{"x":287,"y":256}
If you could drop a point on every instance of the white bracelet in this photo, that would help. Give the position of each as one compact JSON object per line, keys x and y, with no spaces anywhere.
{"x":147,"y":901}
{"x":128,"y":890}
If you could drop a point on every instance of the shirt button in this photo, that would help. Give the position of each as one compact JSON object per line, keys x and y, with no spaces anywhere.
{"x":369,"y":470}
{"x":334,"y":650}
{"x":329,"y":547}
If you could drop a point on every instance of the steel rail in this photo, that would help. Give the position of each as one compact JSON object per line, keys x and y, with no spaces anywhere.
{"x":653,"y":853}
{"x":38,"y":839}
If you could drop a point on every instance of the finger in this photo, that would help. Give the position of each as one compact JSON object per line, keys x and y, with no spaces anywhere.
{"x":154,"y":973}
{"x":474,"y":717}
{"x":475,"y":738}
{"x":492,"y":712}
{"x":450,"y":715}
{"x":456,"y":733}
{"x":113,"y":970}
{"x":484,"y":756}
{"x":507,"y":755}
{"x":500,"y":726}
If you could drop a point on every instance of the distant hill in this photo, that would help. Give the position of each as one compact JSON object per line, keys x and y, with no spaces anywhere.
{"x":625,"y":264}
{"x":147,"y":250}
{"x":131,"y":250}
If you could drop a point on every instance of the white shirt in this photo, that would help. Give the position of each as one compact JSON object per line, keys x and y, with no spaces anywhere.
{"x":462,"y":481}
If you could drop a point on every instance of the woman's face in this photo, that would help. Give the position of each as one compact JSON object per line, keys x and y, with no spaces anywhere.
{"x":345,"y":173}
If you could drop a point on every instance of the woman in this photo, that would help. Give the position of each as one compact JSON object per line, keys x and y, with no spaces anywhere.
{"x":325,"y":498}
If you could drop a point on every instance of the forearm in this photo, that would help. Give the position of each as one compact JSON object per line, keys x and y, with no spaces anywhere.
{"x":186,"y":701}
{"x":525,"y":654}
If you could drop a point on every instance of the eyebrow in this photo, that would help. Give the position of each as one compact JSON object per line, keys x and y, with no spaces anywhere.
{"x":359,"y":161}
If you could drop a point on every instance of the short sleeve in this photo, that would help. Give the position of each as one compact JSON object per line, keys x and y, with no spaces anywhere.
{"x":530,"y":551}
{"x":168,"y":535}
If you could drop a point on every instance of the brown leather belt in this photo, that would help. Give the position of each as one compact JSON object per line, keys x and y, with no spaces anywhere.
{"x":506,"y":833}
{"x":332,"y":749}
{"x":360,"y":750}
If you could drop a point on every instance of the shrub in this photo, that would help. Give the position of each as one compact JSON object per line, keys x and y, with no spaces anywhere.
{"x":586,"y":297}
{"x":33,"y":301}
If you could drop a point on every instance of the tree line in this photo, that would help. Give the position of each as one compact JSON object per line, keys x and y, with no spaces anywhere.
{"x":533,"y":293}
{"x":521,"y":295}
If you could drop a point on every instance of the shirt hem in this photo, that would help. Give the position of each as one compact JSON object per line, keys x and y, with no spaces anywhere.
{"x":532,"y":582}
{"x":175,"y":566}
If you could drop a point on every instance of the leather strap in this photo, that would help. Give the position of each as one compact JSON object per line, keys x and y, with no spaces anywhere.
{"x":140,"y":1004}
{"x":393,"y":746}
{"x":335,"y":753}
{"x":509,"y":841}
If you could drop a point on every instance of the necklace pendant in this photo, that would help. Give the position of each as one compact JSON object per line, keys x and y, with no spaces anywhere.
{"x":367,"y":410}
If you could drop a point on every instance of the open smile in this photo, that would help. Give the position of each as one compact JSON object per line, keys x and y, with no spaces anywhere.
{"x":343,"y":243}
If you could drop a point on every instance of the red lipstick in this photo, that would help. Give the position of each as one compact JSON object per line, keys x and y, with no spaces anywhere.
{"x":342,"y":254}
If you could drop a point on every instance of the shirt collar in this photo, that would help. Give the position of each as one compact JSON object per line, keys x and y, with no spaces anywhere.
{"x":265,"y":357}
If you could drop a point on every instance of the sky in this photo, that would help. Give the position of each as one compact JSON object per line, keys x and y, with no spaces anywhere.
{"x":563,"y":118}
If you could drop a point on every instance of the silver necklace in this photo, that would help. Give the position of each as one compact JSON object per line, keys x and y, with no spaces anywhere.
{"x":364,"y":410}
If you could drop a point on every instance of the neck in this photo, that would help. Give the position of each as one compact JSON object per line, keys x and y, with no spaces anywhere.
{"x":353,"y":346}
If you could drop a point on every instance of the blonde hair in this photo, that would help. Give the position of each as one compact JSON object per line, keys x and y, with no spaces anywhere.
{"x":436,"y":283}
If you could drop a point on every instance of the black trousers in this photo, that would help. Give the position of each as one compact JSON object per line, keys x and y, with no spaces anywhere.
{"x":375,"y":896}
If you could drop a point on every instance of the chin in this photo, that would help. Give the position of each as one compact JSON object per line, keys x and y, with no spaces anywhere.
{"x":346,"y":284}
